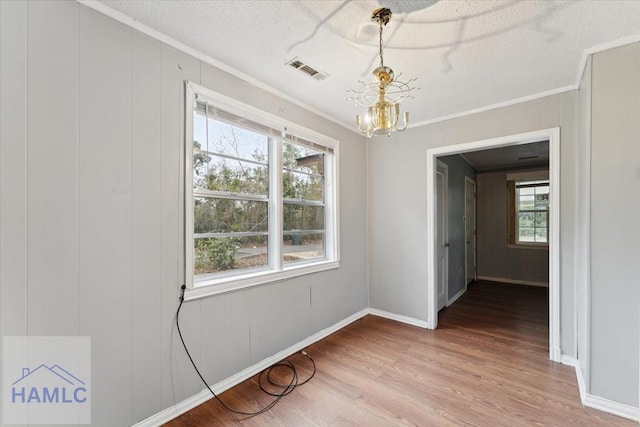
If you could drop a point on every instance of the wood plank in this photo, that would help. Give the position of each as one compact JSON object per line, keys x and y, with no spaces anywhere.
{"x":13,"y":169}
{"x":214,"y":351}
{"x":237,"y":327}
{"x":104,"y":163}
{"x":280,"y":316}
{"x":486,"y":364}
{"x":146,"y":335}
{"x":52,"y":174}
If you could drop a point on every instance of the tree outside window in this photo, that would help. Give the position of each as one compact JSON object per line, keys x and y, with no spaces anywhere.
{"x":261,"y":200}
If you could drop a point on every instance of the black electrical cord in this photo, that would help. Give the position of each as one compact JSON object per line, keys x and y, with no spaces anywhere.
{"x":286,"y":388}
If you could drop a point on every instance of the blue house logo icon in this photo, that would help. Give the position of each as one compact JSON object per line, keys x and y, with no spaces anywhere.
{"x":48,"y":385}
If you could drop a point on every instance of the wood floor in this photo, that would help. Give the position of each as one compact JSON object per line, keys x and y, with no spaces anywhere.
{"x":487,"y":364}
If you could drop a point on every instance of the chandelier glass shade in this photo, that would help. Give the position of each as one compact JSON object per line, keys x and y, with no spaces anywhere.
{"x":382,"y":97}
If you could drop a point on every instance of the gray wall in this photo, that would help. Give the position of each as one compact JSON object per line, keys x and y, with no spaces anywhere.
{"x":496,"y":259}
{"x":582,"y":222}
{"x":458,"y":168}
{"x":398,"y":206}
{"x":615,"y":229}
{"x":91,"y":217}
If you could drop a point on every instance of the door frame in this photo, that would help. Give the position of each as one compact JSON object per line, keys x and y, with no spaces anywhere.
{"x":553,"y":136}
{"x":445,"y":232}
{"x":475,"y":238}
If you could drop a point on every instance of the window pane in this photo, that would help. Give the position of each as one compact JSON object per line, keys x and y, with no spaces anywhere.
{"x":527,"y":191}
{"x":526,"y":203}
{"x":541,"y":234}
{"x":301,"y":217}
{"x":541,"y":220}
{"x":298,"y":185}
{"x":220,"y":174}
{"x":302,"y":159}
{"x":526,"y":235}
{"x":526,"y":219}
{"x":199,"y":133}
{"x":542,"y":200}
{"x":301,"y":246}
{"x":236,"y":142}
{"x":226,"y":216}
{"x":303,"y":173}
{"x":544,"y":189}
{"x":214,"y":255}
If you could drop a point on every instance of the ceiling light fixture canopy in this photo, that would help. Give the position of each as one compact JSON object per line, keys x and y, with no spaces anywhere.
{"x":383,"y":96}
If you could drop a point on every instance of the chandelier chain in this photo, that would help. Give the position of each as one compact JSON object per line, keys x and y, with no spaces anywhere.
{"x":381,"y":58}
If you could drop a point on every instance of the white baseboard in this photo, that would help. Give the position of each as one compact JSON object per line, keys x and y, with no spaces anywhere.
{"x":456,"y":296}
{"x":514,"y":282}
{"x":399,"y":318}
{"x":572,"y":361}
{"x":565,"y":359}
{"x":582,"y":384}
{"x":599,"y":403}
{"x":615,"y":408}
{"x":180,"y":408}
{"x":555,"y":355}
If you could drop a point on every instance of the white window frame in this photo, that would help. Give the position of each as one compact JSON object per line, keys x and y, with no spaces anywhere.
{"x":276,"y":269}
{"x":516,"y":200}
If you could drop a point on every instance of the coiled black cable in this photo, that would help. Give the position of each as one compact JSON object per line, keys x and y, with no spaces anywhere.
{"x":286,"y":388}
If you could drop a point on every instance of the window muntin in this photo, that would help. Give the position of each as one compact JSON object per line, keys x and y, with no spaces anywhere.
{"x":261,"y":201}
{"x":532,"y":212}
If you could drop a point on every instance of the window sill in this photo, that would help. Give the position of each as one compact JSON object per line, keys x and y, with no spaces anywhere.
{"x":529,"y":246}
{"x":225,"y":285}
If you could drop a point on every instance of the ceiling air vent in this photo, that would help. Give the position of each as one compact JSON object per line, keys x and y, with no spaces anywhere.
{"x":299,"y":65}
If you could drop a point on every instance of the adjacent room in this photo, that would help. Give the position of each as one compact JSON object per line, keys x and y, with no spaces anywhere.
{"x":319,"y":213}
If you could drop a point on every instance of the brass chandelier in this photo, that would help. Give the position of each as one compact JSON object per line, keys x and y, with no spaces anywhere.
{"x":383,"y":96}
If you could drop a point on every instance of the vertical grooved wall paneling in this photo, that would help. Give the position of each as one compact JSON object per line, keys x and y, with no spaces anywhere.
{"x":280,"y":317}
{"x":104,"y":164}
{"x":146,"y":335}
{"x":13,"y":167}
{"x":52,"y":175}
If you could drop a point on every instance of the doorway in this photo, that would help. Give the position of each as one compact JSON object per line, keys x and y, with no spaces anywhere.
{"x":553,"y":136}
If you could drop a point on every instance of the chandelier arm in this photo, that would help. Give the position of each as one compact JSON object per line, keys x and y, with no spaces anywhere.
{"x":406,"y":122}
{"x":363,"y":127}
{"x":402,"y":128}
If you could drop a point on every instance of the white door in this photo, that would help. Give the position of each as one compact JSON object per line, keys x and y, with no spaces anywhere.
{"x":441,"y":235}
{"x":470,"y":229}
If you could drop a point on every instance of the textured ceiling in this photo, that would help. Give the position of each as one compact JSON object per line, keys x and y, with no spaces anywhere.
{"x":466,"y":55}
